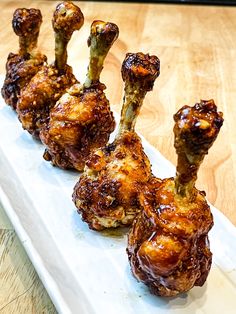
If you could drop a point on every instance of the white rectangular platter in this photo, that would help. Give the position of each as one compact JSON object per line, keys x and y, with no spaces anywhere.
{"x":87,"y":272}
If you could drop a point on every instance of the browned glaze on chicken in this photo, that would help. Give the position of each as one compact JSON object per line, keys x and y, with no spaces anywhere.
{"x":47,"y":86}
{"x":168,"y":245}
{"x":82,"y":119}
{"x":106,"y":194}
{"x":21,"y":67}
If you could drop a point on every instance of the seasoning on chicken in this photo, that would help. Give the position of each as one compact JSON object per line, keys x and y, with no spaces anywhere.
{"x":21,"y":67}
{"x":107,"y":193}
{"x":47,"y":86}
{"x":168,"y":244}
{"x":82,"y":119}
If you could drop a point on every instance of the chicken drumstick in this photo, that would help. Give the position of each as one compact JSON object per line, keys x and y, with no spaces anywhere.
{"x":168,"y":245}
{"x":21,"y":67}
{"x":82,"y":119}
{"x":106,"y":195}
{"x":47,"y":86}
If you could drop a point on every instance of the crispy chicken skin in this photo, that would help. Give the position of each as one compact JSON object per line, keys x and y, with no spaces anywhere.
{"x":21,"y":67}
{"x":82,"y":119}
{"x":168,"y":245}
{"x":47,"y":86}
{"x":107,"y":193}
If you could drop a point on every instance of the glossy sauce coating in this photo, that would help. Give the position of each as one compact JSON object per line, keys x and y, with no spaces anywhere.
{"x":48,"y":85}
{"x":41,"y":95}
{"x":82,"y":119}
{"x":106,"y":195}
{"x":78,"y":123}
{"x":22,"y":66}
{"x":168,"y":245}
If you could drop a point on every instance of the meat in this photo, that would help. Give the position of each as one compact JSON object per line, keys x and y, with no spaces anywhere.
{"x":168,"y":245}
{"x":47,"y":86}
{"x":82,"y":119}
{"x":107,"y":193}
{"x":21,"y":67}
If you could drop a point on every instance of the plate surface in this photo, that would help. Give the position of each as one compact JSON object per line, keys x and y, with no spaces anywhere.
{"x":85,"y":271}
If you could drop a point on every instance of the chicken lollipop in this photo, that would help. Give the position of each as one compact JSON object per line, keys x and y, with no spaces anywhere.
{"x":21,"y":67}
{"x":168,"y":245}
{"x":107,"y":193}
{"x":47,"y":86}
{"x":82,"y":119}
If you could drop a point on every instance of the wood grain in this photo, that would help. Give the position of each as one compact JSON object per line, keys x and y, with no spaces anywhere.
{"x":21,"y":290}
{"x":197,"y":49}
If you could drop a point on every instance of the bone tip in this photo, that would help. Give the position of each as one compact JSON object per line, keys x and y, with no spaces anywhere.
{"x":202,"y":120}
{"x":26,"y":21}
{"x":107,"y":31}
{"x":67,"y":17}
{"x":141,"y":67}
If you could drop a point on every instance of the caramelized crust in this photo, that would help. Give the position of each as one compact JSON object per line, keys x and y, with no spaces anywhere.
{"x":21,"y":67}
{"x":48,"y":85}
{"x":19,"y":72}
{"x":106,"y":195}
{"x":40,"y":95}
{"x":168,"y":245}
{"x":80,"y":121}
{"x":139,"y":66}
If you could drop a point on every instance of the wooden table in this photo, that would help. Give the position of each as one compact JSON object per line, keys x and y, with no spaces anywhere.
{"x":197,"y":49}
